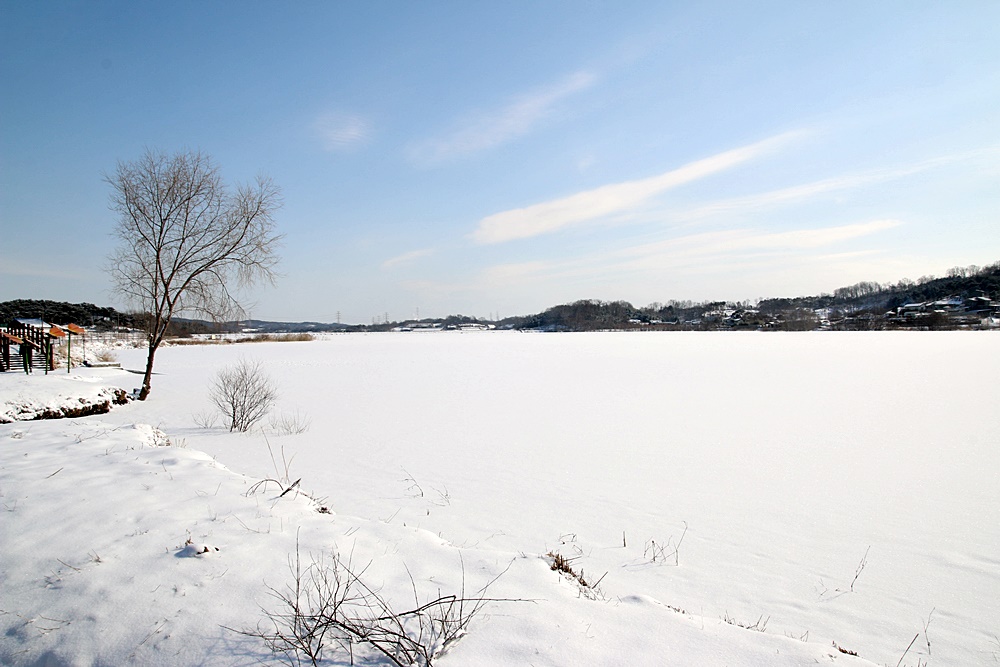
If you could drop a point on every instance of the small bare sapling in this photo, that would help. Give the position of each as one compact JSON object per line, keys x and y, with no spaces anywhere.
{"x":243,"y":393}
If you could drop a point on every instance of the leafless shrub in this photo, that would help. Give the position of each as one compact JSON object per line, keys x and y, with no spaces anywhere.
{"x":106,"y":356}
{"x":290,"y":423}
{"x":328,"y":607}
{"x":205,"y":419}
{"x":243,"y":393}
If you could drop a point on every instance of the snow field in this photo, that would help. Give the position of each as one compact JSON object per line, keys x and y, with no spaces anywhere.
{"x":788,"y":457}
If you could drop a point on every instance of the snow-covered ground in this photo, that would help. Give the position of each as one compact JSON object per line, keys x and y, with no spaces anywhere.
{"x":838,"y":487}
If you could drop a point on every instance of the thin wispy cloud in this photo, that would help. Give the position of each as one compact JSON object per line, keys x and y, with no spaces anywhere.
{"x":718,"y":248}
{"x":614,"y":199}
{"x":494,"y":128}
{"x":828,"y":185}
{"x":742,"y":242}
{"x":710,"y":253}
{"x":406,"y":258}
{"x":339,"y":131}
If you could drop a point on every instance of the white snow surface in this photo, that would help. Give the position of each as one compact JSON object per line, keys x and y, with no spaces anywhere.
{"x":841,"y":487}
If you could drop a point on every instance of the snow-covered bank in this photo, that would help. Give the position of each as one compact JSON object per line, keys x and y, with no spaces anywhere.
{"x":839,"y":487}
{"x":57,"y":395}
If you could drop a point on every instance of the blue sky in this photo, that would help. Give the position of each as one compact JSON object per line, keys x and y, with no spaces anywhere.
{"x":492,"y":158}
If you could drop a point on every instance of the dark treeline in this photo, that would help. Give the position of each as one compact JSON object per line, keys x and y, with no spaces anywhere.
{"x":864,"y":305}
{"x":102,"y":318}
{"x":960,"y":282}
{"x":58,"y":312}
{"x":961,"y":298}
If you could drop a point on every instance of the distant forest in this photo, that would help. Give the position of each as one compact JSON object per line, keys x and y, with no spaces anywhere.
{"x":58,"y":312}
{"x":102,"y":318}
{"x":965,"y":297}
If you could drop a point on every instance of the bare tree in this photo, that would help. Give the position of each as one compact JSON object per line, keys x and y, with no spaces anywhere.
{"x":243,"y":393}
{"x":187,"y":242}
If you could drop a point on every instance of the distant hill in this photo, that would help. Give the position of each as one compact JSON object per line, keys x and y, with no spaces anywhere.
{"x":962,"y":282}
{"x":961,"y":298}
{"x":865,"y":305}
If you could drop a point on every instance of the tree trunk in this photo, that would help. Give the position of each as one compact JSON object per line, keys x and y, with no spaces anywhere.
{"x":144,"y":392}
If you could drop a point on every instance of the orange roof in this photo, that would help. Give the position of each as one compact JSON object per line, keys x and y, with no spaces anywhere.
{"x":57,"y":332}
{"x":74,"y":329}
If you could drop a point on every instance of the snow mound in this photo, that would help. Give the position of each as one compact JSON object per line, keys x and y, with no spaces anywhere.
{"x":150,"y":436}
